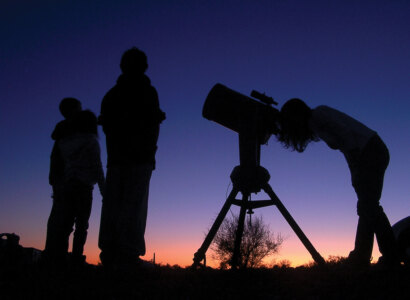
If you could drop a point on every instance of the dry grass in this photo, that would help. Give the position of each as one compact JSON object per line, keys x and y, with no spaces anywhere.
{"x":335,"y":281}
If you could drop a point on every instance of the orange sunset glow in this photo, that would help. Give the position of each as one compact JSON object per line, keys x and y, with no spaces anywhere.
{"x":353,"y":57}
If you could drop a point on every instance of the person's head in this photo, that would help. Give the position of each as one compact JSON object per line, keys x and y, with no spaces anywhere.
{"x":69,"y":107}
{"x":86,"y":122}
{"x":295,"y":132}
{"x":133,"y":61}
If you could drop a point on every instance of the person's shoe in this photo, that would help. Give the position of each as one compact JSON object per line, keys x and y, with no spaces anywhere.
{"x":54,"y":261}
{"x":78,"y":260}
{"x":387,"y":264}
{"x":143,"y":264}
{"x":357,"y":261}
{"x":107,"y":259}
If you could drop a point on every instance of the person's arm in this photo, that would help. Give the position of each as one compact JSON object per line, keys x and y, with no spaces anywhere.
{"x":108,"y":118}
{"x":60,"y":130}
{"x":92,"y":154}
{"x":153,"y":114}
{"x":56,"y":165}
{"x":100,"y":171}
{"x":159,"y":114}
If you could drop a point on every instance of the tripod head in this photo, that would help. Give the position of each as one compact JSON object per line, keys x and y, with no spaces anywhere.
{"x":249,"y":176}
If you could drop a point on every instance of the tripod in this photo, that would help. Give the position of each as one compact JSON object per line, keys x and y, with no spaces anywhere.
{"x":249,"y":177}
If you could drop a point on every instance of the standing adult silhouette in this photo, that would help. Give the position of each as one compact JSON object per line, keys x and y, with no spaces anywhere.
{"x":367,"y":157}
{"x":130,"y":117}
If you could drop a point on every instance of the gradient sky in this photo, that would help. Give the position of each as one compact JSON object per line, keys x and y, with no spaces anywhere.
{"x":350,"y":55}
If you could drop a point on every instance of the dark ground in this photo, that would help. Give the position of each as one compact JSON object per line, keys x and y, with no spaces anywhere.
{"x":93,"y":282}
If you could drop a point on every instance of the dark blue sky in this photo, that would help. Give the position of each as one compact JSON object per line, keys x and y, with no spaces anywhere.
{"x":351,"y":55}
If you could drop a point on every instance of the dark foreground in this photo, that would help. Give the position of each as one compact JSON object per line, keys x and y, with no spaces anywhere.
{"x":93,"y":282}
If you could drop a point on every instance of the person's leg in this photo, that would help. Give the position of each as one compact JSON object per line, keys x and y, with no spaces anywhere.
{"x":59,"y":225}
{"x":386,"y":240}
{"x":134,"y":212}
{"x":367,"y":180}
{"x":83,"y":206}
{"x":363,"y":242}
{"x":110,"y":214}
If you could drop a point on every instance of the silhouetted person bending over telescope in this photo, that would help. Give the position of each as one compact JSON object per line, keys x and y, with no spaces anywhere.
{"x":130,"y":117}
{"x":367,"y":157}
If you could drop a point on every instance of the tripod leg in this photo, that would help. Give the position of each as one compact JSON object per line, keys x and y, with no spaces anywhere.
{"x":239,"y":233}
{"x":200,"y":254}
{"x":315,"y":255}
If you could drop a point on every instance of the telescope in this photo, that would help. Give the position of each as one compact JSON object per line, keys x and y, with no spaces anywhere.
{"x":241,"y":113}
{"x":255,"y":120}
